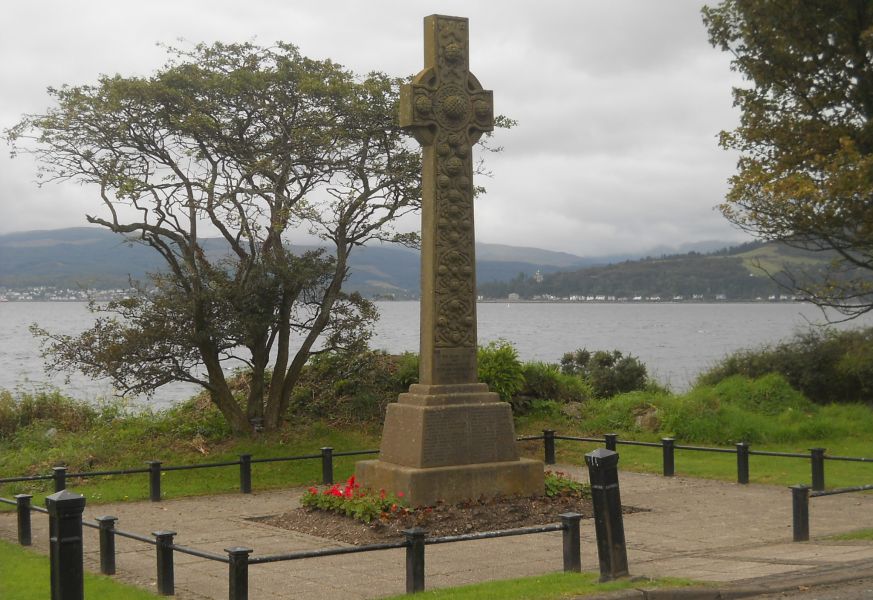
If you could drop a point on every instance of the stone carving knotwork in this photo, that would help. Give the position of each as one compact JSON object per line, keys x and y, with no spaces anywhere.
{"x":447,"y":111}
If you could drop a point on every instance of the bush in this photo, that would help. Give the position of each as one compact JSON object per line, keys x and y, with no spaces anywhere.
{"x":763,"y":410}
{"x":826,"y":366}
{"x":48,"y":407}
{"x":559,"y":484}
{"x":608,"y":373}
{"x":500,"y":368}
{"x":546,"y":382}
{"x":352,"y":388}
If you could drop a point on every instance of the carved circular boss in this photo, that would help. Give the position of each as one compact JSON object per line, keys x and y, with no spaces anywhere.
{"x":452,"y":107}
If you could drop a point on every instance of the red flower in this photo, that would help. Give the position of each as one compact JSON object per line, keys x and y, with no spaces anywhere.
{"x":400,"y":494}
{"x":381,"y":494}
{"x":313,"y":490}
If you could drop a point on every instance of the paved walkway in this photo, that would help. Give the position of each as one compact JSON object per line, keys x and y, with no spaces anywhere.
{"x":693,"y":528}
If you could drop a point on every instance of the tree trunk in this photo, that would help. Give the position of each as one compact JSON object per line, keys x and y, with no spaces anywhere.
{"x":273,"y":413}
{"x":255,"y":400}
{"x":221,"y":394}
{"x":328,"y":299}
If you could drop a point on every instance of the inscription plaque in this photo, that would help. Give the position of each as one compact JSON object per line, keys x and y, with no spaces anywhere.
{"x":455,"y":364}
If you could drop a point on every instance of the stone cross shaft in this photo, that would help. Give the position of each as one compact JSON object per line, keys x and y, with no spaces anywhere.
{"x":447,"y":111}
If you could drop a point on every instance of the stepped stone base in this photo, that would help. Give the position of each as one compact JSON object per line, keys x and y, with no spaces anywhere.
{"x":424,"y":487}
{"x":450,"y":443}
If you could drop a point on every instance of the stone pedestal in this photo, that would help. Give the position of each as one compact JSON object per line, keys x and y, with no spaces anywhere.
{"x":450,"y":443}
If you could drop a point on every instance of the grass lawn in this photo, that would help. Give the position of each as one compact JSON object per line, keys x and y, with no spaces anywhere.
{"x":865,"y":535}
{"x":24,"y":575}
{"x":723,"y":466}
{"x":115,"y":488}
{"x":555,"y":585}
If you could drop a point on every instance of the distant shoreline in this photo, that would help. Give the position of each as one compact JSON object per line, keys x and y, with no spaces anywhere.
{"x":489,"y":301}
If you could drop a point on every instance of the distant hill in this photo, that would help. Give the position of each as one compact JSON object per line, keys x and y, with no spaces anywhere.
{"x":749,"y":271}
{"x":95,"y":258}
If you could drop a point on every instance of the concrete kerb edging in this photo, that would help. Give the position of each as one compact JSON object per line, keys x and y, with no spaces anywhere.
{"x":786,"y":582}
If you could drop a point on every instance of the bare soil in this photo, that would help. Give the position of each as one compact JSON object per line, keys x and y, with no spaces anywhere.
{"x":468,"y":517}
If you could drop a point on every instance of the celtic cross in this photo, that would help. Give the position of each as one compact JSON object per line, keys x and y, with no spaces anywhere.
{"x":447,"y":111}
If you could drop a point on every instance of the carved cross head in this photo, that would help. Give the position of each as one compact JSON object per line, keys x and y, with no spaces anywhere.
{"x":445,"y":97}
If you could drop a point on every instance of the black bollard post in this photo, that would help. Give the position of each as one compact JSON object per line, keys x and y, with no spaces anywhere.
{"x":742,"y":462}
{"x":415,"y":559}
{"x":572,"y":545}
{"x":549,"y":446}
{"x":107,"y":544}
{"x":668,"y":449}
{"x":611,"y":441}
{"x":65,"y":545}
{"x":800,"y":512}
{"x":608,"y":522}
{"x":327,"y":465}
{"x":238,"y":586}
{"x":164,"y":551}
{"x":22,"y":506}
{"x":817,"y":458}
{"x":154,"y":480}
{"x":60,"y":476}
{"x":245,"y":473}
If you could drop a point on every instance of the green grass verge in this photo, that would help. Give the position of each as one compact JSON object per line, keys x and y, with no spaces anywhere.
{"x":555,"y":585}
{"x":24,"y":575}
{"x":217,"y":480}
{"x":859,"y":535}
{"x":710,"y":465}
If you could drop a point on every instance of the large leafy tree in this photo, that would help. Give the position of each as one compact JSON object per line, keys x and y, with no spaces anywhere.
{"x":214,"y":162}
{"x":805,"y":138}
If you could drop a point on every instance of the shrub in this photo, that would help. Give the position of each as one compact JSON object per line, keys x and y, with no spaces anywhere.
{"x":49,"y":407}
{"x":608,"y":373}
{"x":826,"y":366}
{"x":560,"y":484}
{"x":352,"y":388}
{"x":547,"y":382}
{"x":500,"y":368}
{"x":407,"y":370}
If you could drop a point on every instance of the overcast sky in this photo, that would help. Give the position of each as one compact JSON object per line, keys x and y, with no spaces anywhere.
{"x":619,"y":103}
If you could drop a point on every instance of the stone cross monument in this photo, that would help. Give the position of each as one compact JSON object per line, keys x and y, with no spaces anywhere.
{"x":449,"y":438}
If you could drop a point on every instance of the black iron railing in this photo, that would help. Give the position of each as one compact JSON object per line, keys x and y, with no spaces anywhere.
{"x":669,"y":448}
{"x":68,"y":508}
{"x":155,"y":468}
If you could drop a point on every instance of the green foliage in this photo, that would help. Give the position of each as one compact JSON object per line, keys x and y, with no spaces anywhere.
{"x":805,"y":172}
{"x":547,"y":382}
{"x":561,"y":484}
{"x":608,"y":373}
{"x":360,"y":504}
{"x":500,"y":368}
{"x":825,"y":365}
{"x":763,"y":410}
{"x":48,"y":408}
{"x":407,"y":369}
{"x":350,"y":388}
